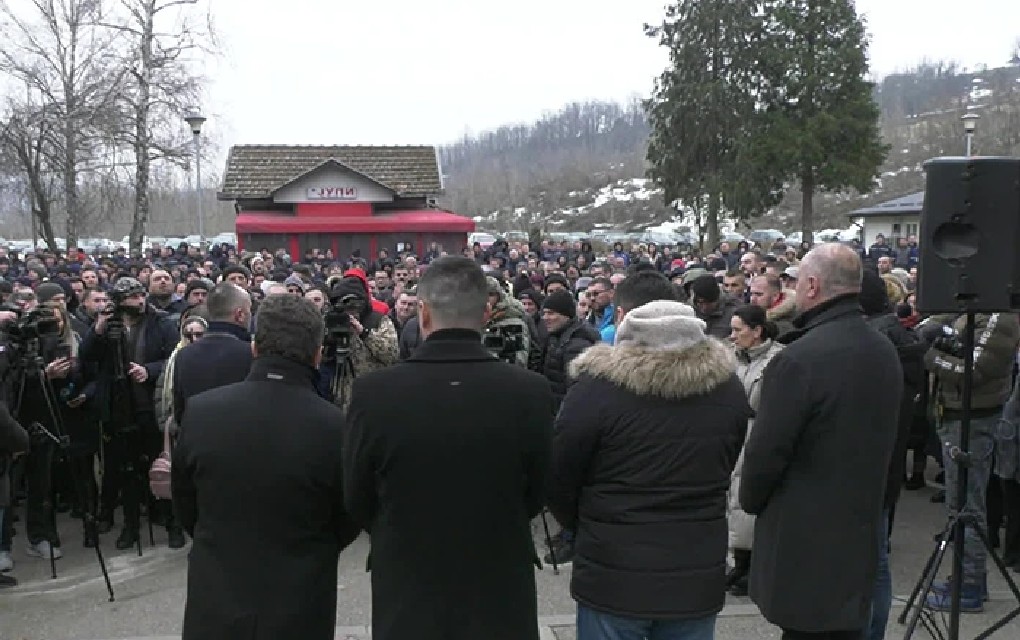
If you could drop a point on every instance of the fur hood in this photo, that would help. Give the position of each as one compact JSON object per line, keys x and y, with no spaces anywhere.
{"x":785,"y":310}
{"x":666,"y":373}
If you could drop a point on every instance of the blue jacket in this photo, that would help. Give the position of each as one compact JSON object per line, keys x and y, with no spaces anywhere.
{"x":607,"y":325}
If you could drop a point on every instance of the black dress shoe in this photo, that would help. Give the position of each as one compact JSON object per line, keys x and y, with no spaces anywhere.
{"x":127,"y":539}
{"x":176,"y":538}
{"x":915,"y":482}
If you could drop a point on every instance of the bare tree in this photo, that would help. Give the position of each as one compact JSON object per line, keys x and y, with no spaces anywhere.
{"x":60,"y":50}
{"x":23,"y":139}
{"x":161,"y":87}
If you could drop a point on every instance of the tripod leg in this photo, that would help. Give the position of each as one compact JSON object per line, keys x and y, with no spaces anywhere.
{"x":549,"y":543}
{"x":923,"y":587}
{"x":90,"y":505}
{"x":1004,"y":571}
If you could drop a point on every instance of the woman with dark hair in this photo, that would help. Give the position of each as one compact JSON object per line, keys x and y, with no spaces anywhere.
{"x":753,"y":337}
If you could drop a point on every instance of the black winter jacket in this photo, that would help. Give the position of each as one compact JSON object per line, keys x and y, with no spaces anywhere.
{"x":560,"y":351}
{"x":911,"y":351}
{"x":645,"y":443}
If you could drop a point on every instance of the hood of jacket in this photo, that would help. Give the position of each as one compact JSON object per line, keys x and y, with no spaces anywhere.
{"x":786,"y":309}
{"x":665,"y":373}
{"x":506,"y":308}
{"x":376,"y":305}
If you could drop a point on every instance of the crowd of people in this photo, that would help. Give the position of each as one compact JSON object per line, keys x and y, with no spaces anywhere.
{"x":672,"y":410}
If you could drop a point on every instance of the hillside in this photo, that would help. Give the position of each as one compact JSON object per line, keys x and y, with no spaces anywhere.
{"x":583,"y":168}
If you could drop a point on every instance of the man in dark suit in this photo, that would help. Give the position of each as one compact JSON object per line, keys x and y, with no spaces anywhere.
{"x":815,"y":464}
{"x":223,"y":356}
{"x":256,"y":482}
{"x":448,"y":501}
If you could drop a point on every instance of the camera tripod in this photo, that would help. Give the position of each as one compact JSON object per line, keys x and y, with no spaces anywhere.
{"x":32,"y":367}
{"x":344,"y":368}
{"x":115,"y":337}
{"x":959,"y":521}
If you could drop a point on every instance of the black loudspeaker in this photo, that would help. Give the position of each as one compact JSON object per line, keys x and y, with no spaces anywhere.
{"x":970,"y":236}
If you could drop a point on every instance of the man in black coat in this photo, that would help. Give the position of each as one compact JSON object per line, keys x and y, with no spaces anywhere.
{"x":256,"y":481}
{"x":823,"y":439}
{"x":646,"y":442}
{"x":448,"y":502}
{"x":223,"y":355}
{"x":128,"y":364}
{"x":568,"y":337}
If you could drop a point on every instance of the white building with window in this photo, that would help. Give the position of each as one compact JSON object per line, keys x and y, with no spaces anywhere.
{"x":894,"y":219}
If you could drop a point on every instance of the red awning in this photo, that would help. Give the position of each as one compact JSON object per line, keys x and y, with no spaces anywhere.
{"x":423,"y":221}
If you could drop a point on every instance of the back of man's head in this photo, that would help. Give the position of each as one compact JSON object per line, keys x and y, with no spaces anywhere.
{"x":289,"y":327}
{"x":641,"y":288}
{"x":827,"y":271}
{"x":224,"y":301}
{"x":454,"y":294}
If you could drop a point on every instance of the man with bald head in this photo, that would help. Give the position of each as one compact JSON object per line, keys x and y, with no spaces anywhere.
{"x":816,"y":462}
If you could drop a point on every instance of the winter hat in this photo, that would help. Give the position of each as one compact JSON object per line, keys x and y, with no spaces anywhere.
{"x":894,"y":288}
{"x":532,"y":295}
{"x":717,"y":264}
{"x":346,"y":287}
{"x":873,"y":297}
{"x":236,"y":268}
{"x":562,"y":303}
{"x":197,"y":283}
{"x":705,"y":288}
{"x":903,"y":276}
{"x":662,"y":324}
{"x":556,"y":277}
{"x":693,"y":274}
{"x":583,"y":283}
{"x":47,"y":291}
{"x":294,"y":280}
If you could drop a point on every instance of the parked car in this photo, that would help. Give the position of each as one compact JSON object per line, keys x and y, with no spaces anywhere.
{"x":483,"y":239}
{"x":766,"y":236}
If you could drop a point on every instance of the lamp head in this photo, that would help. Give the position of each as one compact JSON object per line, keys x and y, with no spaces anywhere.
{"x":195,"y":120}
{"x":970,"y":122}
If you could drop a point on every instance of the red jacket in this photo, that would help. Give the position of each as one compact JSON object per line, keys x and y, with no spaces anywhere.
{"x":377,"y":305}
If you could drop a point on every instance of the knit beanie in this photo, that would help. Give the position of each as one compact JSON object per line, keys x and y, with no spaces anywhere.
{"x":873,"y":297}
{"x":47,"y":291}
{"x":705,"y":288}
{"x":662,"y":324}
{"x":236,"y":268}
{"x":197,"y":283}
{"x":532,"y":295}
{"x":294,"y":280}
{"x":562,"y":303}
{"x":556,"y":277}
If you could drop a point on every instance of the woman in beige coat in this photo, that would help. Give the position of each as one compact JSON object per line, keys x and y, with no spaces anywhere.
{"x":753,"y":337}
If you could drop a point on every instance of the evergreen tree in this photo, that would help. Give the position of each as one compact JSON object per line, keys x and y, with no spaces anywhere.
{"x":703,"y":107}
{"x":819,"y":120}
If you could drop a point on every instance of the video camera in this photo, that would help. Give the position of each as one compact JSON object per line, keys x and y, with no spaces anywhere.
{"x":949,"y":342}
{"x":504,"y":342}
{"x":339,"y":331}
{"x":31,"y":325}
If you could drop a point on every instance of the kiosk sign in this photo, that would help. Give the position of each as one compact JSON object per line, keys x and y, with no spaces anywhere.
{"x":332,"y":193}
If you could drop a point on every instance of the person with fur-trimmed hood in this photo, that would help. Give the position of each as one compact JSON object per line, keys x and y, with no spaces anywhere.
{"x":508,"y":312}
{"x":645,"y":442}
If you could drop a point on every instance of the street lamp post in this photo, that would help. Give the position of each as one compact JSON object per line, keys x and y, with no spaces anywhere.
{"x":195,"y":120}
{"x":969,"y":125}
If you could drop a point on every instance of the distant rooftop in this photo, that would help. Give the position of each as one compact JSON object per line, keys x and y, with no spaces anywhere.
{"x":911,"y":204}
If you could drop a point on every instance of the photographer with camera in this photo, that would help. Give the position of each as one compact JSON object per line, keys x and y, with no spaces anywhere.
{"x":130,"y":343}
{"x":359,"y":340}
{"x":506,"y":334}
{"x":996,"y":337}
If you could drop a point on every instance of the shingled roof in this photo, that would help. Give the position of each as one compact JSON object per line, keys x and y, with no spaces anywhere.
{"x":256,"y":171}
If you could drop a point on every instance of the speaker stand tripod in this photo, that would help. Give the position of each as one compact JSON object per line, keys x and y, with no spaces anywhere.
{"x":959,"y":521}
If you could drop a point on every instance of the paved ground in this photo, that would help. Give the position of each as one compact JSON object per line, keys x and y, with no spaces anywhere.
{"x":150,"y":591}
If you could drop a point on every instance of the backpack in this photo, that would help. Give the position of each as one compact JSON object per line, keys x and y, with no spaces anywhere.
{"x":159,"y":472}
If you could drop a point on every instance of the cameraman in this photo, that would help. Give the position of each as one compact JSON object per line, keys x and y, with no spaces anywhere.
{"x":996,"y":337}
{"x":373,"y":339}
{"x":507,"y":316}
{"x":13,"y":442}
{"x":130,"y":343}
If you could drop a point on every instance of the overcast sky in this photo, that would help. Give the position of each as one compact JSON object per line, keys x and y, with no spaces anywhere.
{"x":427,"y":71}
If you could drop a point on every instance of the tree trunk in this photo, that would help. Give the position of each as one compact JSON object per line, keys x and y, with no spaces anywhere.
{"x":807,"y":216}
{"x":70,"y":185}
{"x":713,"y":221}
{"x":141,"y":213}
